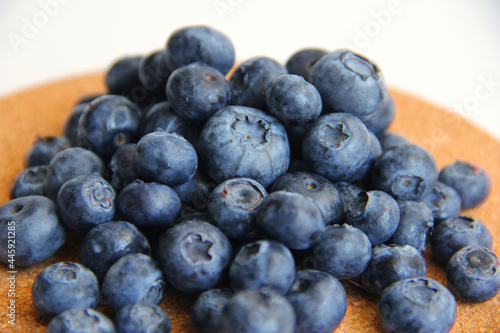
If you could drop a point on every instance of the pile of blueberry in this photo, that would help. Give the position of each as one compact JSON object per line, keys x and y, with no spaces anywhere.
{"x":259,"y":193}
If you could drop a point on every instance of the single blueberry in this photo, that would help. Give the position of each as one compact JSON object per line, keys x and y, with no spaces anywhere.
{"x":70,"y":128}
{"x":30,"y":181}
{"x":207,"y":310}
{"x":122,"y":167}
{"x":196,"y":191}
{"x":443,"y":201}
{"x":301,"y":62}
{"x":123,"y":76}
{"x":142,"y":318}
{"x":153,"y":74}
{"x":389,"y":139}
{"x":363,"y":173}
{"x":348,"y":192}
{"x":78,"y":320}
{"x":44,"y":149}
{"x":63,"y":286}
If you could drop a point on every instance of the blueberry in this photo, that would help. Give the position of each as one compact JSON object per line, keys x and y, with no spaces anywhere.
{"x":134,"y":278}
{"x":321,"y":190}
{"x":153,"y":74}
{"x":258,"y":311}
{"x":86,"y":201}
{"x":293,"y":100}
{"x":343,"y":251}
{"x":44,"y":149}
{"x":391,"y":263}
{"x":301,"y":62}
{"x":319,"y":301}
{"x":375,"y":213}
{"x":79,"y":320}
{"x":415,"y":225}
{"x":389,"y":139}
{"x":455,"y":233}
{"x":380,"y":121}
{"x":470,"y":180}
{"x":350,"y":83}
{"x":232,"y":206}
{"x":104,"y":244}
{"x":148,"y":205}
{"x":30,"y":181}
{"x":200,"y":44}
{"x":363,"y":173}
{"x":70,"y":128}
{"x":142,"y":318}
{"x":444,"y":201}
{"x":162,"y":116}
{"x":194,"y":256}
{"x":336,"y":146}
{"x":68,"y":164}
{"x":107,"y":123}
{"x":123,"y":76}
{"x":122,"y":167}
{"x":239,"y":141}
{"x":250,"y":80}
{"x":417,"y":305}
{"x":262,"y":264}
{"x":63,"y":286}
{"x":406,"y":172}
{"x":473,"y":274}
{"x":291,"y":218}
{"x":34,"y":223}
{"x":196,"y":191}
{"x":165,"y":158}
{"x":348,"y":192}
{"x":196,"y":91}
{"x":207,"y":310}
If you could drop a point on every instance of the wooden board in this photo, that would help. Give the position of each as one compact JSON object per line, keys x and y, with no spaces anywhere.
{"x":43,"y":111}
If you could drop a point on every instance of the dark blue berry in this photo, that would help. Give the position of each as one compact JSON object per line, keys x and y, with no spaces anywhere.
{"x":133,"y":278}
{"x":142,"y":318}
{"x":207,"y":310}
{"x":63,"y":286}
{"x":443,"y":201}
{"x":389,"y":139}
{"x":123,"y":76}
{"x":363,"y":173}
{"x":319,"y":301}
{"x":78,"y":320}
{"x":104,"y":244}
{"x":30,"y":181}
{"x":262,"y":264}
{"x":470,"y":180}
{"x":44,"y":149}
{"x":417,"y":305}
{"x":70,"y":128}
{"x":194,"y":256}
{"x":196,"y":191}
{"x":153,"y":74}
{"x":473,"y":274}
{"x":122,"y":167}
{"x":37,"y":232}
{"x":301,"y":62}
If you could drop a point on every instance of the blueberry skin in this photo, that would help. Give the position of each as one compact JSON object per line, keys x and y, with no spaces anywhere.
{"x":86,"y":201}
{"x":122,"y":167}
{"x":348,"y":192}
{"x":417,"y":305}
{"x":455,"y":233}
{"x":350,"y":83}
{"x":293,"y":100}
{"x":406,"y":172}
{"x":196,"y":91}
{"x":319,"y":301}
{"x":258,"y":311}
{"x":375,"y":213}
{"x":363,"y":173}
{"x":44,"y":149}
{"x":336,"y":146}
{"x":38,"y":231}
{"x":70,"y":128}
{"x":30,"y":181}
{"x":104,"y":244}
{"x":207,"y":310}
{"x":153,"y":75}
{"x":196,"y":191}
{"x":162,"y":116}
{"x":142,"y":318}
{"x":165,"y":158}
{"x":250,"y":80}
{"x":291,"y":218}
{"x":389,"y":139}
{"x":194,"y":256}
{"x":343,"y":251}
{"x":473,"y":274}
{"x":321,"y":190}
{"x":78,"y":320}
{"x":200,"y":44}
{"x":443,"y":201}
{"x":239,"y":141}
{"x":470,"y":180}
{"x":148,"y":205}
{"x":391,"y":263}
{"x":63,"y":286}
{"x":232,"y":206}
{"x":380,"y":121}
{"x":415,"y":225}
{"x":301,"y":62}
{"x":68,"y":164}
{"x":134,"y":278}
{"x":123,"y":76}
{"x":262,"y":264}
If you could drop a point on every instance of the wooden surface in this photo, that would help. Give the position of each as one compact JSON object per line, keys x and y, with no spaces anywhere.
{"x":43,"y":111}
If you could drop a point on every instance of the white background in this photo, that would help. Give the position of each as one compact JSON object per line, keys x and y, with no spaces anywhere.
{"x":447,"y":51}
